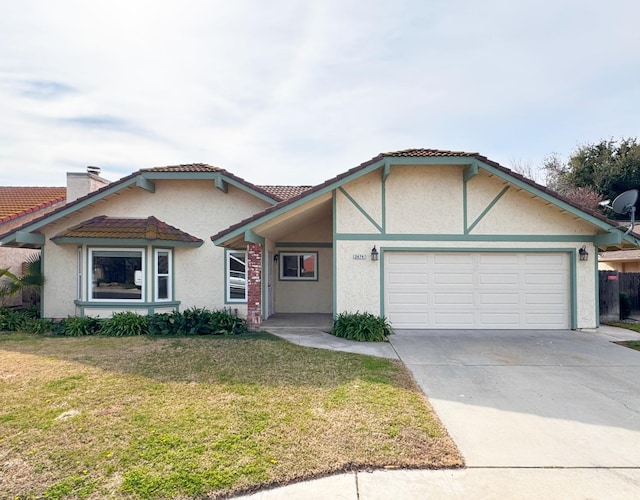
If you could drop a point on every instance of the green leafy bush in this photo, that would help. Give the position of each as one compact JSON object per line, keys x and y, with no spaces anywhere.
{"x":364,"y":327}
{"x":76,"y":326}
{"x":196,"y":321}
{"x":125,"y":324}
{"x":39,"y":326}
{"x":12,"y":320}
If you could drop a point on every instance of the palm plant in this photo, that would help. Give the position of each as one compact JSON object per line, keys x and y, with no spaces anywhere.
{"x":31,"y":280}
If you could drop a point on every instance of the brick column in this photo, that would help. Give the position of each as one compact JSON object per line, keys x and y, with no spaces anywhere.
{"x":254,"y":286}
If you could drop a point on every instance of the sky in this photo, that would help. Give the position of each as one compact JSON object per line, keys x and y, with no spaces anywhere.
{"x":295,"y":92}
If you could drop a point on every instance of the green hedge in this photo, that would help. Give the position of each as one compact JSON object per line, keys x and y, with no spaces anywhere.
{"x":364,"y":327}
{"x":192,"y":321}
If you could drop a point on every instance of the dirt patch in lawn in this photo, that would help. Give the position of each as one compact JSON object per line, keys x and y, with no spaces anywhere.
{"x":184,"y":417}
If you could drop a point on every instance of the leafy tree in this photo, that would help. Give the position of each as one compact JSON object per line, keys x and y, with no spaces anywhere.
{"x":605,"y":169}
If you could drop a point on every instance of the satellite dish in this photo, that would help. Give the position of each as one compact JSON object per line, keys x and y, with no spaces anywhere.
{"x":625,"y":202}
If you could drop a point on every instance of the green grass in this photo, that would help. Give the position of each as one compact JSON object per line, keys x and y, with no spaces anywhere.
{"x":96,"y":417}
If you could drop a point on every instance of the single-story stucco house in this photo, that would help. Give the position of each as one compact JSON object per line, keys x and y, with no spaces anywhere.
{"x":427,"y":238}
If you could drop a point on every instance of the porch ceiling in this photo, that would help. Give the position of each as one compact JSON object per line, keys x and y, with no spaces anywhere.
{"x":294,"y":220}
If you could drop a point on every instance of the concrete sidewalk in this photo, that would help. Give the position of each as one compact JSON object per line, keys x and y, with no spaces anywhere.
{"x":470,"y":483}
{"x":538,"y":415}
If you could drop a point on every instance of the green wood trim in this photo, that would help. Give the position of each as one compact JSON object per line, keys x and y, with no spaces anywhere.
{"x":571,"y":251}
{"x":573,"y":288}
{"x":304,"y":244}
{"x":464,"y":208}
{"x":73,"y":207}
{"x":296,"y":279}
{"x":311,"y":196}
{"x":386,"y":171}
{"x":360,"y":209}
{"x":219,"y":183}
{"x":249,"y":190}
{"x":486,"y":210}
{"x":125,"y":242}
{"x":546,"y":196}
{"x":597,"y":286}
{"x":29,"y":238}
{"x":146,"y":184}
{"x":131,"y":305}
{"x":334,"y":285}
{"x":611,"y":238}
{"x":470,"y":172}
{"x":227,"y":251}
{"x":383,"y":201}
{"x":466,"y":237}
{"x":251,"y":237}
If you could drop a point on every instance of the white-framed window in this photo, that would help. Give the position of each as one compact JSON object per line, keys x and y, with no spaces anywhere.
{"x":116,"y":274}
{"x":163,"y":274}
{"x":236,"y":276}
{"x":299,"y":266}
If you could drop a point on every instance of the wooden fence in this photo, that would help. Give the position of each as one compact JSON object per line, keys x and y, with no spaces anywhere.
{"x":612,"y":283}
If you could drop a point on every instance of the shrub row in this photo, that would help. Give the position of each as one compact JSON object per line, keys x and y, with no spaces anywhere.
{"x":192,"y":321}
{"x":364,"y":327}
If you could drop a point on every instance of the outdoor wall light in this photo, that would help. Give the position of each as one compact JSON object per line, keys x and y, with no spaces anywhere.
{"x":276,"y":257}
{"x":584,"y":255}
{"x":374,"y":253}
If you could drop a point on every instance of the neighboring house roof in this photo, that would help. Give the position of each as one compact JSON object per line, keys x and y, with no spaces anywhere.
{"x":619,"y":256}
{"x":421,"y":157}
{"x":125,"y":228}
{"x":18,"y":201}
{"x":285,"y":192}
{"x":143,"y":178}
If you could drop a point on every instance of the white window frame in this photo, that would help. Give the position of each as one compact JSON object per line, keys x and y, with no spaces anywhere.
{"x":228,"y":276}
{"x":90,"y":274}
{"x":281,"y":260}
{"x":157,"y":274}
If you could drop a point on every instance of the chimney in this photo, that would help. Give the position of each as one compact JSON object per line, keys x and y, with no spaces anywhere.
{"x":80,"y":184}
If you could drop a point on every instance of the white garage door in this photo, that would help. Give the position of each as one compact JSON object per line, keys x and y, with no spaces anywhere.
{"x":477,"y":290}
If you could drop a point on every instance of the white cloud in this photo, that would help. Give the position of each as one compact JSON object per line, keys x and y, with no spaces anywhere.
{"x":296,"y":92}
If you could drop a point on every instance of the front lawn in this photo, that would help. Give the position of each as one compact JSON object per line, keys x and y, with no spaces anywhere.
{"x":97,"y":417}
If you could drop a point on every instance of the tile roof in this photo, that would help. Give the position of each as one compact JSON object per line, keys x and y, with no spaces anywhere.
{"x":186,"y":168}
{"x":619,"y":255}
{"x":413,"y":153}
{"x":18,"y":201}
{"x":189,"y":167}
{"x":285,"y":192}
{"x":125,"y":228}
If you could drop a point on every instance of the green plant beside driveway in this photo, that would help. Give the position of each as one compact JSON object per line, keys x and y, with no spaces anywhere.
{"x":363,"y":327}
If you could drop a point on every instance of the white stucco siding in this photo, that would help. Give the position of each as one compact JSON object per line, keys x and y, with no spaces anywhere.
{"x":516,"y":212}
{"x":195,"y":207}
{"x":306,"y":296}
{"x":60,"y":270}
{"x":359,"y":283}
{"x":424,"y":200}
{"x":366,"y":191}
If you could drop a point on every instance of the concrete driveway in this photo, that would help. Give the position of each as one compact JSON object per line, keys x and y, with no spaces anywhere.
{"x":531,"y":398}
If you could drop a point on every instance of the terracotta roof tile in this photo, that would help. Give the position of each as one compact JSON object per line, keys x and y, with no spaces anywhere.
{"x":427,"y":153}
{"x":412,"y":153}
{"x":285,"y":192}
{"x":125,"y":228}
{"x":17,"y":201}
{"x":189,"y":167}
